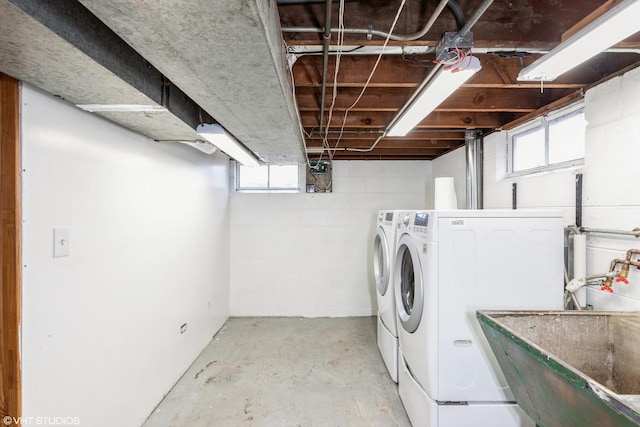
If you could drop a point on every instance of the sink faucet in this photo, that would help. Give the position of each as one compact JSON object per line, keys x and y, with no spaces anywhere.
{"x":624,"y":270}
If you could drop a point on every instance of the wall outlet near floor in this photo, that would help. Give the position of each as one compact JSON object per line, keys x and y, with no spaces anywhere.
{"x":183,"y":328}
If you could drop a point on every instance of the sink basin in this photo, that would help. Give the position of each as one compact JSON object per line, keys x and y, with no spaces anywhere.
{"x":569,"y":368}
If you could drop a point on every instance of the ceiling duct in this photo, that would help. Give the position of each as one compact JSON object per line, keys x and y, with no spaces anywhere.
{"x":60,"y":47}
{"x":161,"y":70}
{"x":228,"y":56}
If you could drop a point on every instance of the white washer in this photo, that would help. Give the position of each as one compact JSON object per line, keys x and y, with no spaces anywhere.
{"x":384,"y":249}
{"x":449,"y":264}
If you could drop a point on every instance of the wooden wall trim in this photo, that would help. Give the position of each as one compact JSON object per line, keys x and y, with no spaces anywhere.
{"x":10,"y":262}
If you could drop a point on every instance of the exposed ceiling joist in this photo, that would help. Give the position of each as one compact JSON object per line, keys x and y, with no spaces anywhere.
{"x":227,"y":59}
{"x":508,"y":37}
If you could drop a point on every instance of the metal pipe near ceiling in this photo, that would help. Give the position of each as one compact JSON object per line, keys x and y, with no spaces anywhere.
{"x":476,"y":16}
{"x":467,"y":27}
{"x":473,"y":154}
{"x":325,"y":64}
{"x":372,"y":32}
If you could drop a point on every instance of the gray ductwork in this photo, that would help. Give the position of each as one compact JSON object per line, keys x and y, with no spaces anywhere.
{"x":228,"y":56}
{"x":186,"y":61}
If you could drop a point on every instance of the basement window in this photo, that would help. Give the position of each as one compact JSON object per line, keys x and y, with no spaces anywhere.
{"x":267,"y":178}
{"x":553,"y":141}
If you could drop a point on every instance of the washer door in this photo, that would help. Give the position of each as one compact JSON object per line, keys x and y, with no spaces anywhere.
{"x":408,"y":284}
{"x":381,"y":266}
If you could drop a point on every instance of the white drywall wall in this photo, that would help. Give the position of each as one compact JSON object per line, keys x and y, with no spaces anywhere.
{"x":148,"y":239}
{"x":311,"y":254}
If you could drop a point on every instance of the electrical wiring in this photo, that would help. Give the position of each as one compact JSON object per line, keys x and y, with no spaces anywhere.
{"x":455,"y":58}
{"x":424,"y":63}
{"x":340,"y":44}
{"x":293,"y":91}
{"x":375,"y":67}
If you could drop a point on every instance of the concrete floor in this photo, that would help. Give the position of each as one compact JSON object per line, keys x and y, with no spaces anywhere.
{"x":286,"y":372}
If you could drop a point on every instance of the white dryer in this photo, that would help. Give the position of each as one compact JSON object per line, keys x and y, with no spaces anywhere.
{"x":384,"y":249}
{"x":449,"y":264}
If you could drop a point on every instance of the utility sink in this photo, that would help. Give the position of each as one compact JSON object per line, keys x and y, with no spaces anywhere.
{"x":569,"y":368}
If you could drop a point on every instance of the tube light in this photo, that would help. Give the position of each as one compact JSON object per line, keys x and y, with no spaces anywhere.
{"x":126,"y":108}
{"x":205,"y":146}
{"x":439,"y":88}
{"x":216,"y":135}
{"x":608,"y":29}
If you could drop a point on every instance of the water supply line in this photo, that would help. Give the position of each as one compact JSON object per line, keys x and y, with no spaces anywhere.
{"x":326,"y":37}
{"x":624,"y":270}
{"x":576,"y":284}
{"x":635,"y":232}
{"x":606,"y":279}
{"x":455,"y":9}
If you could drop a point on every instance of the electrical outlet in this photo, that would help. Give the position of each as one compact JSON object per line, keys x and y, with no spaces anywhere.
{"x":183,"y":328}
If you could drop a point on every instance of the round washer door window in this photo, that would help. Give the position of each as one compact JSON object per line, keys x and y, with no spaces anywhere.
{"x":408,"y":284}
{"x":381,"y":264}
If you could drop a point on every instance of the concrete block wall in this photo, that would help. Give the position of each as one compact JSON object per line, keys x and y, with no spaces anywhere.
{"x":453,"y":165}
{"x":611,"y":199}
{"x":610,"y":171}
{"x":309,"y":254}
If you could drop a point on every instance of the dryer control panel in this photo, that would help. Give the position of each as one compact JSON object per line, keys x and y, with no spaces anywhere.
{"x":422,"y":219}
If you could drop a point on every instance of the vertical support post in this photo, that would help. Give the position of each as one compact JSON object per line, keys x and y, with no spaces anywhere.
{"x":579,"y":200}
{"x":10,"y":262}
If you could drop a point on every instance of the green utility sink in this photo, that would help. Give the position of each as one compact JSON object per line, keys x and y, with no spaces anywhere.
{"x":569,"y":368}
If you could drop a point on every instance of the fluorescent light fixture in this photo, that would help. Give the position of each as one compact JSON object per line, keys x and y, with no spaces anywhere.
{"x":204,"y":146}
{"x":129,"y":108}
{"x":608,"y":29}
{"x":440,"y":87}
{"x":216,"y":135}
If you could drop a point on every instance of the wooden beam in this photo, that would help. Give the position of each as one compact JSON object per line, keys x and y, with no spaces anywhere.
{"x":496,"y":71}
{"x":399,"y":151}
{"x":562,"y":102}
{"x":10,"y":263}
{"x":607,"y":6}
{"x":413,"y":137}
{"x":350,"y":155}
{"x":437,"y":119}
{"x":396,"y":72}
{"x":539,"y":21}
{"x":463,"y":99}
{"x":400,"y":144}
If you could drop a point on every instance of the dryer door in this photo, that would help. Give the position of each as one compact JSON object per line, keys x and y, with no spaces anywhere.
{"x":381,"y":266}
{"x":408,"y":284}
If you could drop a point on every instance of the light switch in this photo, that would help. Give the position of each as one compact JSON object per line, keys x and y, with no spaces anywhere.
{"x":60,"y":242}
